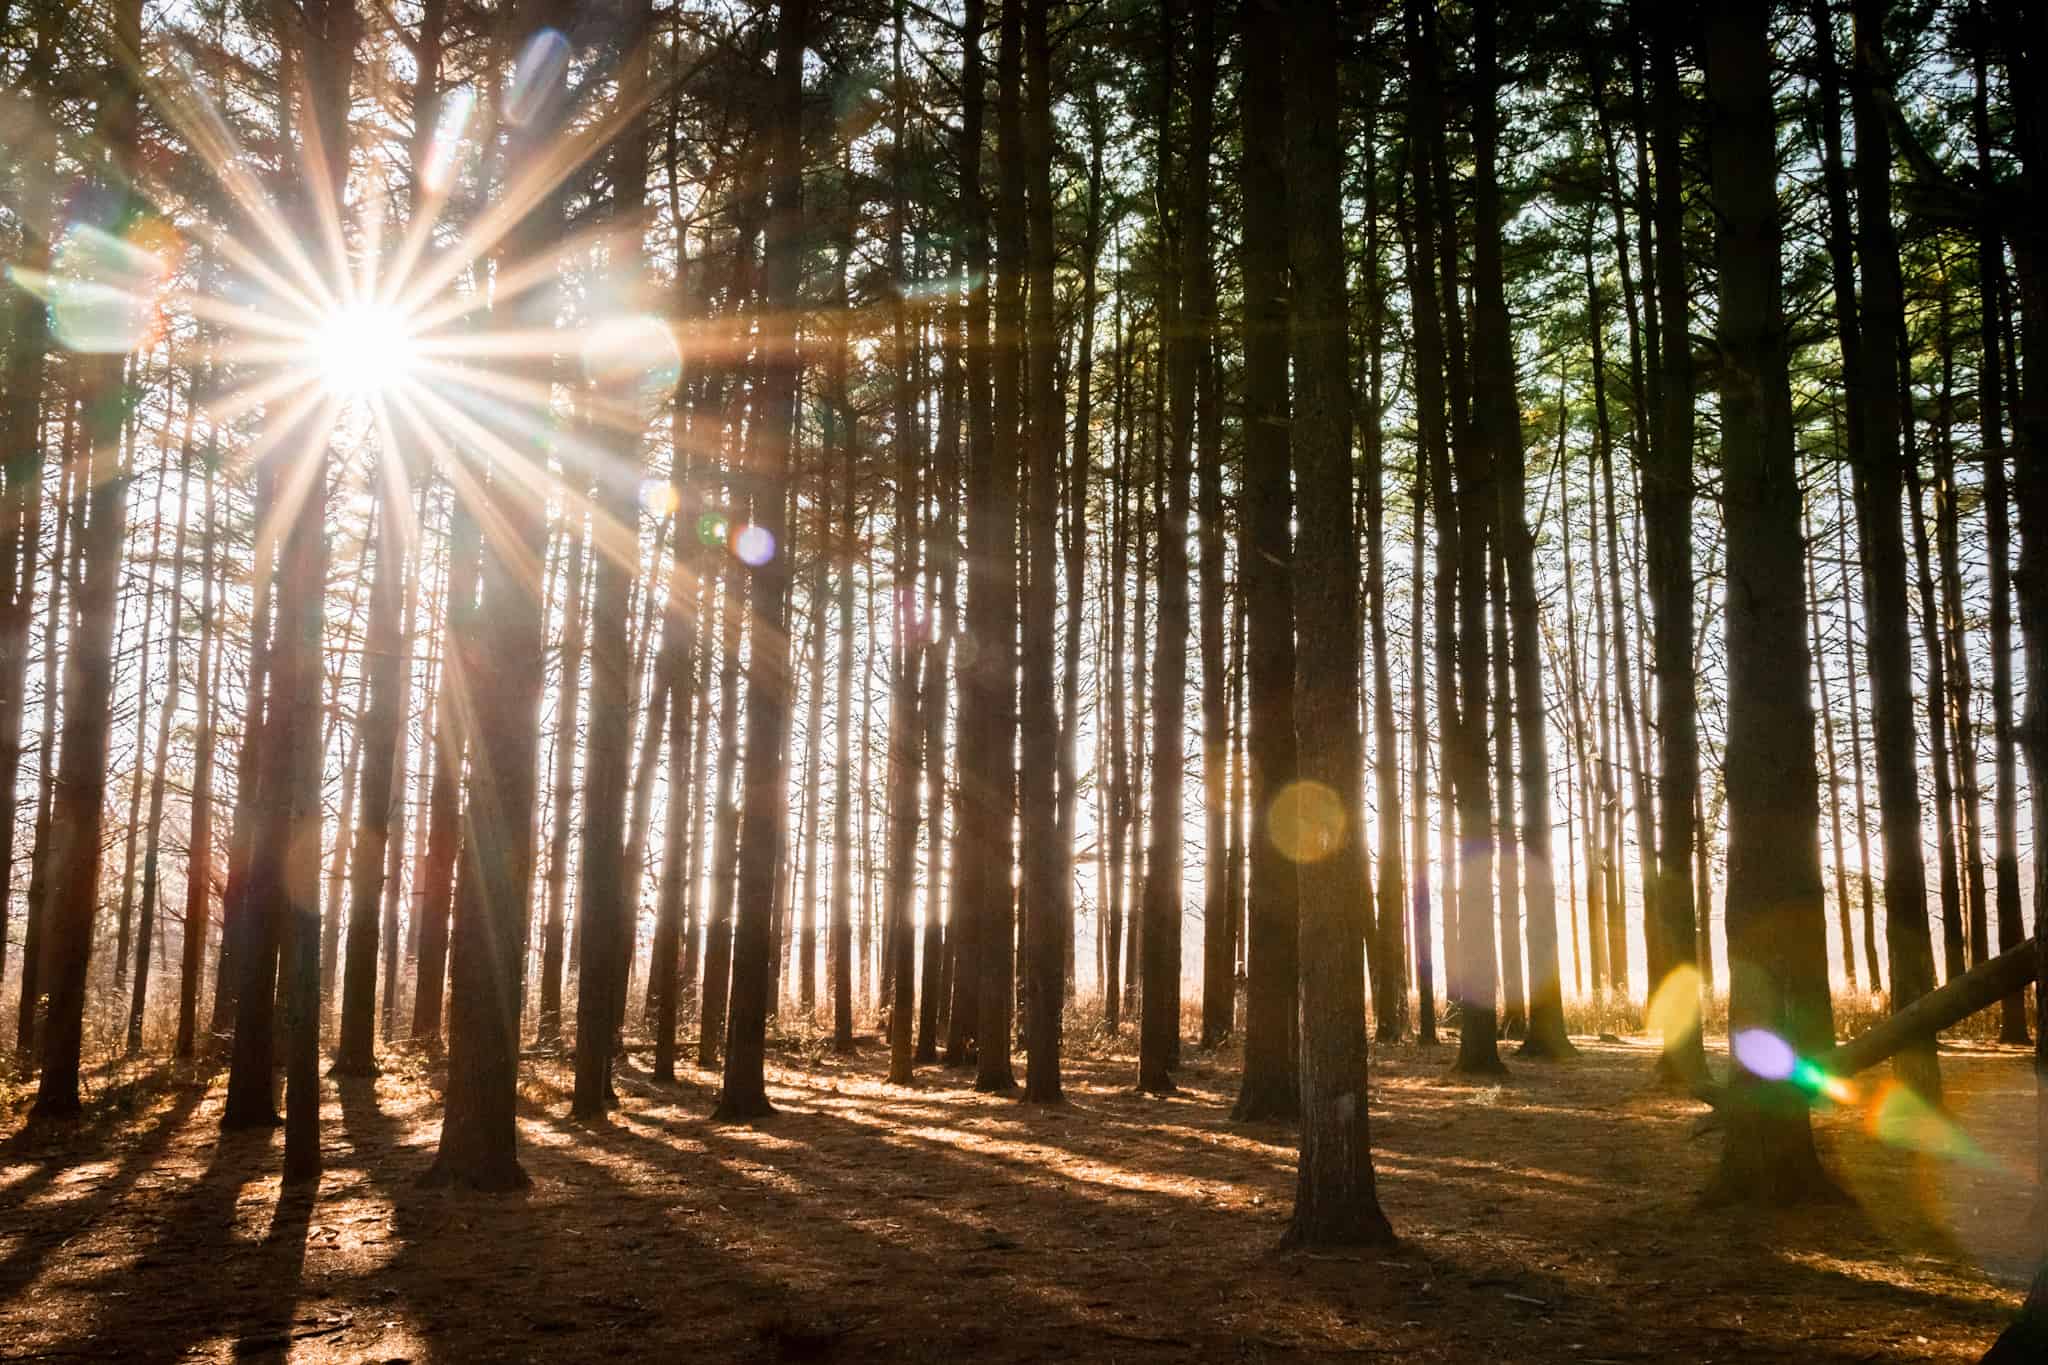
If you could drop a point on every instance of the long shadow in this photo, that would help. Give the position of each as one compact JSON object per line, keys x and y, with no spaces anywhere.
{"x":284,"y":1270}
{"x":161,"y":1301}
{"x":53,"y":1229}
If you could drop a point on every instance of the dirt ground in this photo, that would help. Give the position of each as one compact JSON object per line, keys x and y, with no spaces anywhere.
{"x":1551,"y":1217}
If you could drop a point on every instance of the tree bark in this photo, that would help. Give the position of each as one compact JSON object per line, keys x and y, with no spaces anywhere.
{"x":1878,"y":478}
{"x":1270,"y":1084}
{"x":744,"y":1092}
{"x":1776,"y":910}
{"x":1335,"y":1199}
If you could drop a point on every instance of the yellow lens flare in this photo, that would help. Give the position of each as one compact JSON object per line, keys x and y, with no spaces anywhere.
{"x":1305,"y":821}
{"x":1675,"y":1004}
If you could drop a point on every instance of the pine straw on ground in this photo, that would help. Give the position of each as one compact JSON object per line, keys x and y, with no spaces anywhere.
{"x":1550,"y":1217}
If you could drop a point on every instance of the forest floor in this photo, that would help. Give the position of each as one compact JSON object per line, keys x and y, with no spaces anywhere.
{"x":1550,"y":1217}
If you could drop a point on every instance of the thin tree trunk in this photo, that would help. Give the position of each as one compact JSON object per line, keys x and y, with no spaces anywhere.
{"x":146,"y":926}
{"x":988,"y":692}
{"x":199,"y":860}
{"x":1992,"y":304}
{"x":1827,"y":730}
{"x":567,"y":745}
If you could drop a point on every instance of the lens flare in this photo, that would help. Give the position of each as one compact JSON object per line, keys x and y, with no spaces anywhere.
{"x":1900,"y":1118}
{"x":439,"y":169}
{"x":103,"y":291}
{"x":659,"y":497}
{"x":1675,"y":1006}
{"x":634,"y":363}
{"x":1763,"y":1053}
{"x":1305,"y":821}
{"x":711,"y":528}
{"x":542,"y":64}
{"x":754,"y":545}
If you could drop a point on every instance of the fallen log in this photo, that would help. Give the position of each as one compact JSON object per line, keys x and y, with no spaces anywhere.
{"x":1983,"y":986}
{"x":1977,"y":989}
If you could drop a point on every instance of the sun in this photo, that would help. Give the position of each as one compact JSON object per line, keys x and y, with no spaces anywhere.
{"x":363,"y":350}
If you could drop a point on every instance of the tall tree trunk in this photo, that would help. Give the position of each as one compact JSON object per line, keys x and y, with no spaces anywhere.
{"x":1198,"y":322}
{"x":1473,"y":452}
{"x":63,"y":570}
{"x":988,"y":693}
{"x":567,"y":745}
{"x":1270,"y":1087}
{"x":1667,"y":509}
{"x":906,"y":726}
{"x":840,"y":948}
{"x":1390,"y":980}
{"x":1603,"y":852}
{"x":744,"y":1093}
{"x":455,"y":701}
{"x":381,"y":736}
{"x":1119,"y":571}
{"x":1955,"y":639}
{"x":1335,"y":1200}
{"x":609,"y":894}
{"x":1878,"y":485}
{"x":1582,"y":739}
{"x":504,"y":679}
{"x":1047,"y":872}
{"x":1776,"y":913}
{"x":1992,"y":305}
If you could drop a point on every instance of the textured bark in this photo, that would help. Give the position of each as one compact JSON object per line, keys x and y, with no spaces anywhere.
{"x":1878,"y":471}
{"x":1047,"y":871}
{"x":1075,"y":537}
{"x":744,"y":1094}
{"x":1390,"y":978}
{"x":906,"y":726}
{"x":36,"y":920}
{"x":1335,"y":1200}
{"x":505,"y":677}
{"x":1776,"y":910}
{"x":609,"y":889}
{"x":1667,"y":504}
{"x":1198,"y":324}
{"x":1270,"y":1084}
{"x":78,"y":792}
{"x":1160,"y":907}
{"x":1473,"y":450}
{"x":840,"y":931}
{"x":988,"y":691}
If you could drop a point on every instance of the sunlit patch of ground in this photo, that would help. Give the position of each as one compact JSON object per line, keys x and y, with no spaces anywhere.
{"x":1547,"y":1217}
